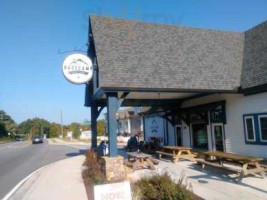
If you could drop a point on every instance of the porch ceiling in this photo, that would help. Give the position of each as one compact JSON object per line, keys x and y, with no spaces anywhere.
{"x":145,"y":98}
{"x":153,"y":95}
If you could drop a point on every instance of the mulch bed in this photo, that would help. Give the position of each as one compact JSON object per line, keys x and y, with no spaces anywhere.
{"x":90,"y":190}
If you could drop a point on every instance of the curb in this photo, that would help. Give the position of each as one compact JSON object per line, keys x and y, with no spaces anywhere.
{"x":11,"y":192}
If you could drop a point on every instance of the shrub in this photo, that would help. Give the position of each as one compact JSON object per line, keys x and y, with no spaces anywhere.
{"x":94,"y":172}
{"x":162,"y":187}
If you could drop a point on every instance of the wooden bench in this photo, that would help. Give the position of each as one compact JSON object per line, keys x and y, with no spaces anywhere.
{"x":248,"y":164}
{"x":139,"y":160}
{"x":177,"y":153}
{"x":203,"y":163}
{"x":160,"y":153}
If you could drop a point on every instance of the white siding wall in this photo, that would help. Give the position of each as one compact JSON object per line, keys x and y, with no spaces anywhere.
{"x":186,"y":134}
{"x":124,"y":126}
{"x":236,"y":106}
{"x":135,"y":125}
{"x":171,"y":134}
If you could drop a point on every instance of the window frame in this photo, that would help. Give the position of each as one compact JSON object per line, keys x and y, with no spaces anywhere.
{"x":246,"y":128}
{"x":259,"y":124}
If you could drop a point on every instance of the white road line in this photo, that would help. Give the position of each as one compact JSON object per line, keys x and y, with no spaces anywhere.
{"x":26,"y":178}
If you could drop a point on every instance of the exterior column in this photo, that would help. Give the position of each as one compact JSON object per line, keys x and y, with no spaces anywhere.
{"x":112,"y":107}
{"x":94,"y":125}
{"x":129,"y":126}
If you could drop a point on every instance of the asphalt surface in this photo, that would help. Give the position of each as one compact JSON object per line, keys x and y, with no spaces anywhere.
{"x":19,"y":159}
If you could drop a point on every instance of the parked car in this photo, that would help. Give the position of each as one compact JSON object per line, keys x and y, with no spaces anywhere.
{"x":37,"y":139}
{"x":19,"y":138}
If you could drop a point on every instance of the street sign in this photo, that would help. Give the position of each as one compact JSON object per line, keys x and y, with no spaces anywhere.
{"x":113,"y":191}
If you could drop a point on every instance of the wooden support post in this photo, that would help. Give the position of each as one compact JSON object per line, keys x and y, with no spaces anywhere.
{"x":94,"y":124}
{"x":112,"y":107}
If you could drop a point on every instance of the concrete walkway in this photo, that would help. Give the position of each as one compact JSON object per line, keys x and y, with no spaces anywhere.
{"x":61,"y":180}
{"x":211,"y":184}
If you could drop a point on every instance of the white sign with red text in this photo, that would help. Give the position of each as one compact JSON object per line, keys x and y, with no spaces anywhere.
{"x":113,"y":191}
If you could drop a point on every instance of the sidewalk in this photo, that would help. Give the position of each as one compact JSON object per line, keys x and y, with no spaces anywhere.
{"x":61,"y":180}
{"x":211,"y":183}
{"x":58,"y":141}
{"x":64,"y":142}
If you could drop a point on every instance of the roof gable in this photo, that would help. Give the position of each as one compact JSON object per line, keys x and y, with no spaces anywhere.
{"x":141,"y":55}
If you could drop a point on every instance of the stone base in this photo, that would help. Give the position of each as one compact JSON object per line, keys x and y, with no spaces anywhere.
{"x":114,"y":168}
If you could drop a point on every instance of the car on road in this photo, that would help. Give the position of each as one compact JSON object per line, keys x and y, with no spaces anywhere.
{"x":19,"y":138}
{"x":37,"y":139}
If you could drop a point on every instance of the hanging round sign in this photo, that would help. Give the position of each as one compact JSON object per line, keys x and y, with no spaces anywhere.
{"x":77,"y":68}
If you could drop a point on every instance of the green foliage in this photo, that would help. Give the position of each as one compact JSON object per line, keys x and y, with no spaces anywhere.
{"x":162,"y":187}
{"x":7,"y":124}
{"x":75,"y":128}
{"x":55,"y":130}
{"x":34,"y":126}
{"x":101,"y":127}
{"x":38,"y":126}
{"x":3,"y":131}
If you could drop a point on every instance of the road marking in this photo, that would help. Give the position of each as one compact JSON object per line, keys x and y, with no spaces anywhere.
{"x":27,"y":177}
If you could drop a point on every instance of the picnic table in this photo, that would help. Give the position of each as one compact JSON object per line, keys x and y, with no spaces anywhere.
{"x":140,"y":160}
{"x":177,"y":152}
{"x":248,"y":164}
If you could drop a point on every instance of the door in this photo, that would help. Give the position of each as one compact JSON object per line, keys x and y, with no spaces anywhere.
{"x":200,"y":136}
{"x":218,"y":137}
{"x":178,"y":131}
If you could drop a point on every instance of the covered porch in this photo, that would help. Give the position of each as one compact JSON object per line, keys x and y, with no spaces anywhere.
{"x":167,"y":102}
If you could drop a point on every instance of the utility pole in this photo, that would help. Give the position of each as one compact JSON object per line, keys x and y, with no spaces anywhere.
{"x":61,"y":123}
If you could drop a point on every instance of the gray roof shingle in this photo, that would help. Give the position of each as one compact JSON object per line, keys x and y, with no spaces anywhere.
{"x":138,"y":55}
{"x":254,"y":71}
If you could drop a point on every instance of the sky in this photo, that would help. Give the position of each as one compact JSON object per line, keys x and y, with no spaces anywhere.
{"x":36,"y":36}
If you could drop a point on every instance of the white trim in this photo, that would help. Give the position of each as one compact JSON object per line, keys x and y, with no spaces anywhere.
{"x":261,"y":116}
{"x":213,"y":135}
{"x":246,"y":128}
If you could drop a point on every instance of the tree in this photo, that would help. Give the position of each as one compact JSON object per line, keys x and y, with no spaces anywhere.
{"x":55,"y":130}
{"x":75,"y":128}
{"x":3,"y":131}
{"x":34,"y":126}
{"x":8,"y":125}
{"x":101,"y":127}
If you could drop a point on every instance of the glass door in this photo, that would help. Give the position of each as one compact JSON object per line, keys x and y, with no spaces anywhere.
{"x":200,"y":136}
{"x":218,"y":137}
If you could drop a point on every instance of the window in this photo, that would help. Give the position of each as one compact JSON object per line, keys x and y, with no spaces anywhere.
{"x":263,"y":127}
{"x":250,"y":129}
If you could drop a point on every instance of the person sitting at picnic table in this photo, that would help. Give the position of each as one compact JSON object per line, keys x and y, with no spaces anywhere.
{"x":133,"y":143}
{"x":102,"y":148}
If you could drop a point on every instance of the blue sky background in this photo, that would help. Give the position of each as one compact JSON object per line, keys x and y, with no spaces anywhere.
{"x":33,"y":32}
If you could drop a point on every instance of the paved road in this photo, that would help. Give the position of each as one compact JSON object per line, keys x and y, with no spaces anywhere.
{"x":19,"y":159}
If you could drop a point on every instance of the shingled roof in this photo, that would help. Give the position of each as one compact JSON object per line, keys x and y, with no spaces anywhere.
{"x":141,"y":55}
{"x":255,"y":57}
